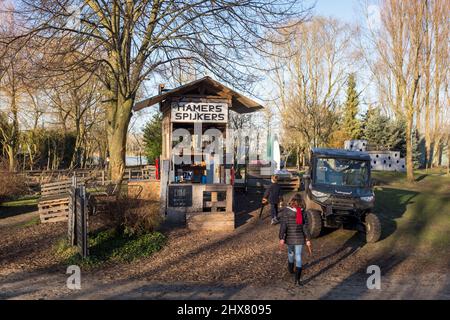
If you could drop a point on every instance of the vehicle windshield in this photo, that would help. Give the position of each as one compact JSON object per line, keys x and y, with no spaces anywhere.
{"x":341,"y":172}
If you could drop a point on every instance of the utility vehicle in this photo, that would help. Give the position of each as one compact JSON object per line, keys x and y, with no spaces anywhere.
{"x":339,"y":192}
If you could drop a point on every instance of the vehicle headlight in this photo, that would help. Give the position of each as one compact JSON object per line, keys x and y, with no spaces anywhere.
{"x":318,"y":194}
{"x":367,"y":199}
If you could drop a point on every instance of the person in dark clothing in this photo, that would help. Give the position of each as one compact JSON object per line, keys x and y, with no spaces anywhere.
{"x":294,"y":233}
{"x":272,"y":196}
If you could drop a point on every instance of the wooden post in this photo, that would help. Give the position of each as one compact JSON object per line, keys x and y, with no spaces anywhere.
{"x":214,"y":200}
{"x":165,"y":169}
{"x":71,"y":216}
{"x":229,"y":199}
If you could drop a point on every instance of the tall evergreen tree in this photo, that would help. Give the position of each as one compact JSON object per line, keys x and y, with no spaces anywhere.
{"x":153,"y":138}
{"x":416,"y":149}
{"x":376,"y":129}
{"x":397,"y":136}
{"x":351,"y":125}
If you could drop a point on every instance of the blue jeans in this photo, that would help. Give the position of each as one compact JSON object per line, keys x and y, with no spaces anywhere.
{"x":274,"y":210}
{"x":297,"y":249}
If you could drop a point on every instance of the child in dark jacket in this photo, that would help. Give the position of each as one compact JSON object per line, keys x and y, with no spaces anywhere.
{"x":272,"y":196}
{"x":294,"y":233}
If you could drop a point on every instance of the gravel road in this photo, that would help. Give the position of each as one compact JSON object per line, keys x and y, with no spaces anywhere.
{"x":246,"y":264}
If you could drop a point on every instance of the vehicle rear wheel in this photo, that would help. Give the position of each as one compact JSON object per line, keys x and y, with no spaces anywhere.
{"x":314,"y":222}
{"x":372,"y":228}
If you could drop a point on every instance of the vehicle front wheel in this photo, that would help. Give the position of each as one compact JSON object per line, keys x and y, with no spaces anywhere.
{"x":372,"y":228}
{"x":314,"y":222}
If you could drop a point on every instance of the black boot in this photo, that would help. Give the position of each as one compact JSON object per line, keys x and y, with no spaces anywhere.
{"x":290,"y":267}
{"x":298,"y":274}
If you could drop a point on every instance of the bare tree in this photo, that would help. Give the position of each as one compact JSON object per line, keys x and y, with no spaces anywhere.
{"x":309,"y":80}
{"x":398,"y":43}
{"x":410,"y":67}
{"x":13,"y":67}
{"x":77,"y":104}
{"x":127,"y":42}
{"x":435,"y":73}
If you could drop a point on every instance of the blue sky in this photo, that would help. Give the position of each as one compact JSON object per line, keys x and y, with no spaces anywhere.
{"x":342,"y":9}
{"x":345,"y":10}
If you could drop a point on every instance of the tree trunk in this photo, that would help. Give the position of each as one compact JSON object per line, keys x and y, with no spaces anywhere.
{"x":13,"y":144}
{"x":76,"y":161}
{"x":435,"y":162}
{"x":409,"y":151}
{"x":118,"y":117}
{"x":428,"y":152}
{"x":11,"y":158}
{"x":448,"y":154}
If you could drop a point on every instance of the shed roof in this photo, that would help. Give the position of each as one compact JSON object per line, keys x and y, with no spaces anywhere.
{"x":204,"y":86}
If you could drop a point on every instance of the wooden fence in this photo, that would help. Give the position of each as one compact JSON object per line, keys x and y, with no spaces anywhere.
{"x":39,"y":177}
{"x":258,"y":179}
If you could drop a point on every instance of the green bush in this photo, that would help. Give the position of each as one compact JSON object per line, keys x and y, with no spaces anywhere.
{"x":112,"y":246}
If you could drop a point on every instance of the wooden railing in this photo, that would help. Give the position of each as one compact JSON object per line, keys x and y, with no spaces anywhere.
{"x":39,"y":177}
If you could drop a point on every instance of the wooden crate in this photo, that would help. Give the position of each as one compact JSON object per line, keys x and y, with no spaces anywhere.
{"x":54,"y":210}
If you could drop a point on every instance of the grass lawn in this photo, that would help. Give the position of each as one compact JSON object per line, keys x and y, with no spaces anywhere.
{"x":414,"y":215}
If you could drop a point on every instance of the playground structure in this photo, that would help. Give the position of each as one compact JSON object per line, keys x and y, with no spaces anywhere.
{"x":383,"y":160}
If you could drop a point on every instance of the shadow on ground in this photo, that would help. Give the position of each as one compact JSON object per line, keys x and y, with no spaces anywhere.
{"x":414,"y":247}
{"x":245,"y":204}
{"x":391,"y":204}
{"x":11,"y":211}
{"x":355,"y":285}
{"x":172,"y":291}
{"x":351,"y":246}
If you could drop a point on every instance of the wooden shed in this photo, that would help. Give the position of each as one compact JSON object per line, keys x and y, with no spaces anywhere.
{"x":198,"y":188}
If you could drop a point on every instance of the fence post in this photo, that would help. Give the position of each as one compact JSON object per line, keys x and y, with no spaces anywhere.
{"x":72,"y":212}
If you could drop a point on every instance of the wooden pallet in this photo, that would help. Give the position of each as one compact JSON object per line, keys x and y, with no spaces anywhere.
{"x":54,"y":209}
{"x":54,"y":203}
{"x":55,"y":188}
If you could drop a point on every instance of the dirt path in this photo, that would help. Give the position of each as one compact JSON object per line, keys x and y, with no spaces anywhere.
{"x":244,"y":264}
{"x":17,"y":220}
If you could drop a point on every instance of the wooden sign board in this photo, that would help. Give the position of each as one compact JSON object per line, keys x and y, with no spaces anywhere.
{"x":211,"y":112}
{"x":180,"y":196}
